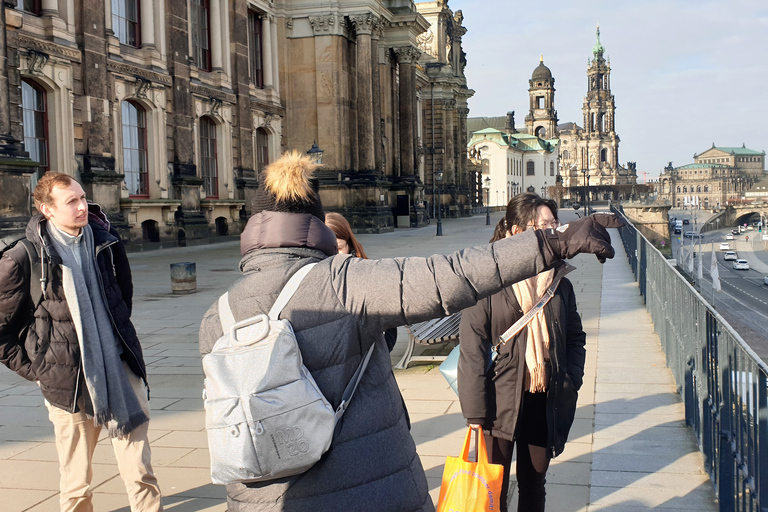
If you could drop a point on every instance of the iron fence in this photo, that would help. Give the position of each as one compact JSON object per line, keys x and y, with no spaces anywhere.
{"x":722,"y":381}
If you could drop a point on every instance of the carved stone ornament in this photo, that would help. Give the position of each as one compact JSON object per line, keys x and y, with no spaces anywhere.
{"x":425,"y":40}
{"x":142,"y":87}
{"x":36,"y":61}
{"x":322,"y":25}
{"x":364,"y":23}
{"x":289,"y":23}
{"x":269,"y":117}
{"x":407,"y":54}
{"x":215,"y":106}
{"x":449,"y":104}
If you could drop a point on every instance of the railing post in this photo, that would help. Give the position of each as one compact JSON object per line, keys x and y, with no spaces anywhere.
{"x":762,"y":441}
{"x":726,"y":492}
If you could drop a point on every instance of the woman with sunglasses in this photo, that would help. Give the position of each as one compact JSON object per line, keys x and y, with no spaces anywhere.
{"x":527,"y":397}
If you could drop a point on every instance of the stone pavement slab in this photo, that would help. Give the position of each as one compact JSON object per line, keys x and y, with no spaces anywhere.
{"x":628,"y":449}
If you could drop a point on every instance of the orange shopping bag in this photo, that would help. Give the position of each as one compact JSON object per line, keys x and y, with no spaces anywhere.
{"x":471,"y":486}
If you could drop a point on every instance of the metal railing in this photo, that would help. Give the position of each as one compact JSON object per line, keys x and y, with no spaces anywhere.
{"x":722,"y":381}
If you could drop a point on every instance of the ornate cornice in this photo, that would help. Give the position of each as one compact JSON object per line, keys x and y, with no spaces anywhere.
{"x":464,"y":112}
{"x":50,"y":48}
{"x":365,"y":23}
{"x":322,"y":25}
{"x":407,"y":54}
{"x":136,"y":71}
{"x":267,"y":108}
{"x":211,"y":93}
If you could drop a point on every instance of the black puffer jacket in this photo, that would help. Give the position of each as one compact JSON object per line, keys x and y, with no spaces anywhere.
{"x":41,"y":343}
{"x":494,"y":399}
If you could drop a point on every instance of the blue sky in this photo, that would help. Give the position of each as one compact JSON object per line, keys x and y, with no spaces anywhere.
{"x":684,"y":73}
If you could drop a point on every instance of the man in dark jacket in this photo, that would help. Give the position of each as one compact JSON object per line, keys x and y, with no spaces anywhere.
{"x":78,"y":343}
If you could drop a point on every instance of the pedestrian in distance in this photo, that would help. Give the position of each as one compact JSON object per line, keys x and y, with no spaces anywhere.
{"x":77,"y":341}
{"x":528,"y":397}
{"x":340,"y":310}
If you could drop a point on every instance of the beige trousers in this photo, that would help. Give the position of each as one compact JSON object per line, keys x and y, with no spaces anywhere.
{"x":76,"y":438}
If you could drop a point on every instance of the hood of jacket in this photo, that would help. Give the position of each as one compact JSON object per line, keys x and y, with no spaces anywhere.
{"x":271,"y":230}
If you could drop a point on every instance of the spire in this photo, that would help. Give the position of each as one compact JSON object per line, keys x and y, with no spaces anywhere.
{"x":541,"y":59}
{"x":598,"y":48}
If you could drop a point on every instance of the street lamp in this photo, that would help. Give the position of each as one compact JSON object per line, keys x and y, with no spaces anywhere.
{"x":487,"y":187}
{"x":316,"y":154}
{"x":497,"y":198}
{"x":584,"y":171}
{"x":439,"y":178}
{"x":544,"y":191}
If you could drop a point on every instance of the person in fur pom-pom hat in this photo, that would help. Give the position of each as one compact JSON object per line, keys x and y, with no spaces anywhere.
{"x":341,"y":308}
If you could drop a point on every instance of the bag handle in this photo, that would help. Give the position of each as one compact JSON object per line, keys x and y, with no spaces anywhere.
{"x":226,"y":317}
{"x":480,"y":449}
{"x":288,"y":290}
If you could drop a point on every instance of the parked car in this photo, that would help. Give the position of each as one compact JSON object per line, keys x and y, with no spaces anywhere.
{"x":765,"y":280}
{"x":741,"y":265}
{"x":730,"y":255}
{"x":725,"y":246}
{"x":729,"y":236}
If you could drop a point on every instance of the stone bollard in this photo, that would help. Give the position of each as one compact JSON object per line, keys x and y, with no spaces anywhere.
{"x":183,"y":277}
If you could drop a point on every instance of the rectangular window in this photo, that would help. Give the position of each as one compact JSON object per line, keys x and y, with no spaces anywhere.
{"x":35,"y":116}
{"x":135,"y":165}
{"x":125,"y":22}
{"x":30,"y":6}
{"x":201,"y":33}
{"x":255,"y":50}
{"x":208,"y":165}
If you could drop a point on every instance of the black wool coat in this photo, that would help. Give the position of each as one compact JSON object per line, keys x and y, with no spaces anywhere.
{"x":494,"y":399}
{"x":40,"y":343}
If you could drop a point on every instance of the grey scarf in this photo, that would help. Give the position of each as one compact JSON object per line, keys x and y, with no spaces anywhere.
{"x":113,"y":399}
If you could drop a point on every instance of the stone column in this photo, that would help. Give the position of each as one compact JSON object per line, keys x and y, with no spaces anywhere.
{"x":449,"y":106}
{"x":147,"y":24}
{"x":266,"y":59}
{"x":378,"y":148}
{"x":217,"y":58}
{"x":273,"y":50}
{"x":461,"y":151}
{"x":365,"y":126}
{"x":50,"y":7}
{"x":406,"y":56}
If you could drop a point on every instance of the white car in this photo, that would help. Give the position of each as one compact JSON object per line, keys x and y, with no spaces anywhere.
{"x":729,"y":236}
{"x":741,"y":265}
{"x":731,"y":255}
{"x":724,"y":246}
{"x":765,"y":280}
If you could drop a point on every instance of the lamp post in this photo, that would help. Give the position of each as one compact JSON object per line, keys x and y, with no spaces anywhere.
{"x":544,"y":191}
{"x":439,"y":177}
{"x":316,"y":154}
{"x":584,"y":171}
{"x":487,"y":187}
{"x":497,"y":198}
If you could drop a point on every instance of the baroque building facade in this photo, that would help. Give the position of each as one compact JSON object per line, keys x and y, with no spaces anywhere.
{"x":718,"y":177}
{"x":168,"y":111}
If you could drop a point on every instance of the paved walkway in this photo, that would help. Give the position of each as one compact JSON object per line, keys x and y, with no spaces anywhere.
{"x":629,"y":448}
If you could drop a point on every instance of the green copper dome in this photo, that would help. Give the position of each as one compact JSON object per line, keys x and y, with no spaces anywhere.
{"x":598,"y":49}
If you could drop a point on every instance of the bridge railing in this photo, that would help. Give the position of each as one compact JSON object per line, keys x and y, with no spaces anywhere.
{"x":723,"y":383}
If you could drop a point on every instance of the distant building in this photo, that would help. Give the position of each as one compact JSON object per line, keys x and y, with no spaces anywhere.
{"x":717,"y":177}
{"x":582,"y":155}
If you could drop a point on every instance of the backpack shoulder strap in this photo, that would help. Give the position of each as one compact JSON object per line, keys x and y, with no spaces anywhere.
{"x":37,"y":281}
{"x":226,"y":317}
{"x":352,"y":384}
{"x":288,"y":290}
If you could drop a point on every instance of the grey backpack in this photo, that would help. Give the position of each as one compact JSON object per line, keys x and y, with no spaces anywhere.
{"x":265,"y":416}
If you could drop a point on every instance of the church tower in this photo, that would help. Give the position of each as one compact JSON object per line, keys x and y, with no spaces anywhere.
{"x":542,"y":116}
{"x":601,"y":153}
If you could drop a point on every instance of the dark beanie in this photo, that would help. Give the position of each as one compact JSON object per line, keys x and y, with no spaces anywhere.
{"x":287,"y":185}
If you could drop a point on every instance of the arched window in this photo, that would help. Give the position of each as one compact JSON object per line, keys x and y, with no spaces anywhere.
{"x":201,"y":33}
{"x":566,"y":155}
{"x":541,"y":132}
{"x":603,"y":155}
{"x":135,"y":165}
{"x":529,"y":168}
{"x":685,"y":189}
{"x":698,"y":188}
{"x":150,"y":231}
{"x":208,"y":166}
{"x":678,"y":190}
{"x":35,"y":115}
{"x":262,"y":149}
{"x":30,"y":6}
{"x":125,"y":22}
{"x":706,"y":188}
{"x":551,"y":168}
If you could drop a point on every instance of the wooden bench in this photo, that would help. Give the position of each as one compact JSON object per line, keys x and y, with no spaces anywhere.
{"x":431,"y":332}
